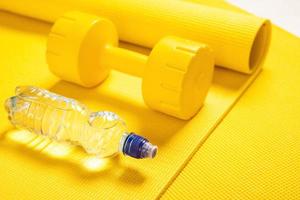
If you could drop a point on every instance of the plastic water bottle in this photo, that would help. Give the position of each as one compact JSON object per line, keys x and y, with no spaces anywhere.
{"x":67,"y":120}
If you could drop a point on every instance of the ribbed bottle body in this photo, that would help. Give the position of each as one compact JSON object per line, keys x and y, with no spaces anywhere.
{"x":65,"y":120}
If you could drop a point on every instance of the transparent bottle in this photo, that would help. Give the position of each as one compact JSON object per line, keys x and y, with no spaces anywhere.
{"x":67,"y":120}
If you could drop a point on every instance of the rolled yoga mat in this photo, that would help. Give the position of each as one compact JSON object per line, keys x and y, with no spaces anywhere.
{"x":239,"y":41}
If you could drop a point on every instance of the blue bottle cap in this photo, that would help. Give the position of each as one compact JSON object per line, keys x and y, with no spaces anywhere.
{"x":138,"y":147}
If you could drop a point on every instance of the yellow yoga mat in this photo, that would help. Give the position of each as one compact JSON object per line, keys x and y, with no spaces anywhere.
{"x":34,"y":168}
{"x":239,"y":41}
{"x":254,"y":152}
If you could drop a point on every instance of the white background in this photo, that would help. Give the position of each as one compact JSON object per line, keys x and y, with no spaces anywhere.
{"x":284,"y":13}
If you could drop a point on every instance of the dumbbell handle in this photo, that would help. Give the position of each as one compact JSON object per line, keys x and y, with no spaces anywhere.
{"x":124,"y":60}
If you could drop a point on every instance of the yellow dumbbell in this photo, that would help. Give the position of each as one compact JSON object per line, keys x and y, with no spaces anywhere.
{"x":82,"y":48}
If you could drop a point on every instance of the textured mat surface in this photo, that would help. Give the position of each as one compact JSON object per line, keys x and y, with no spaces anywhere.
{"x":144,"y":23}
{"x":255,"y":152}
{"x":32,"y":167}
